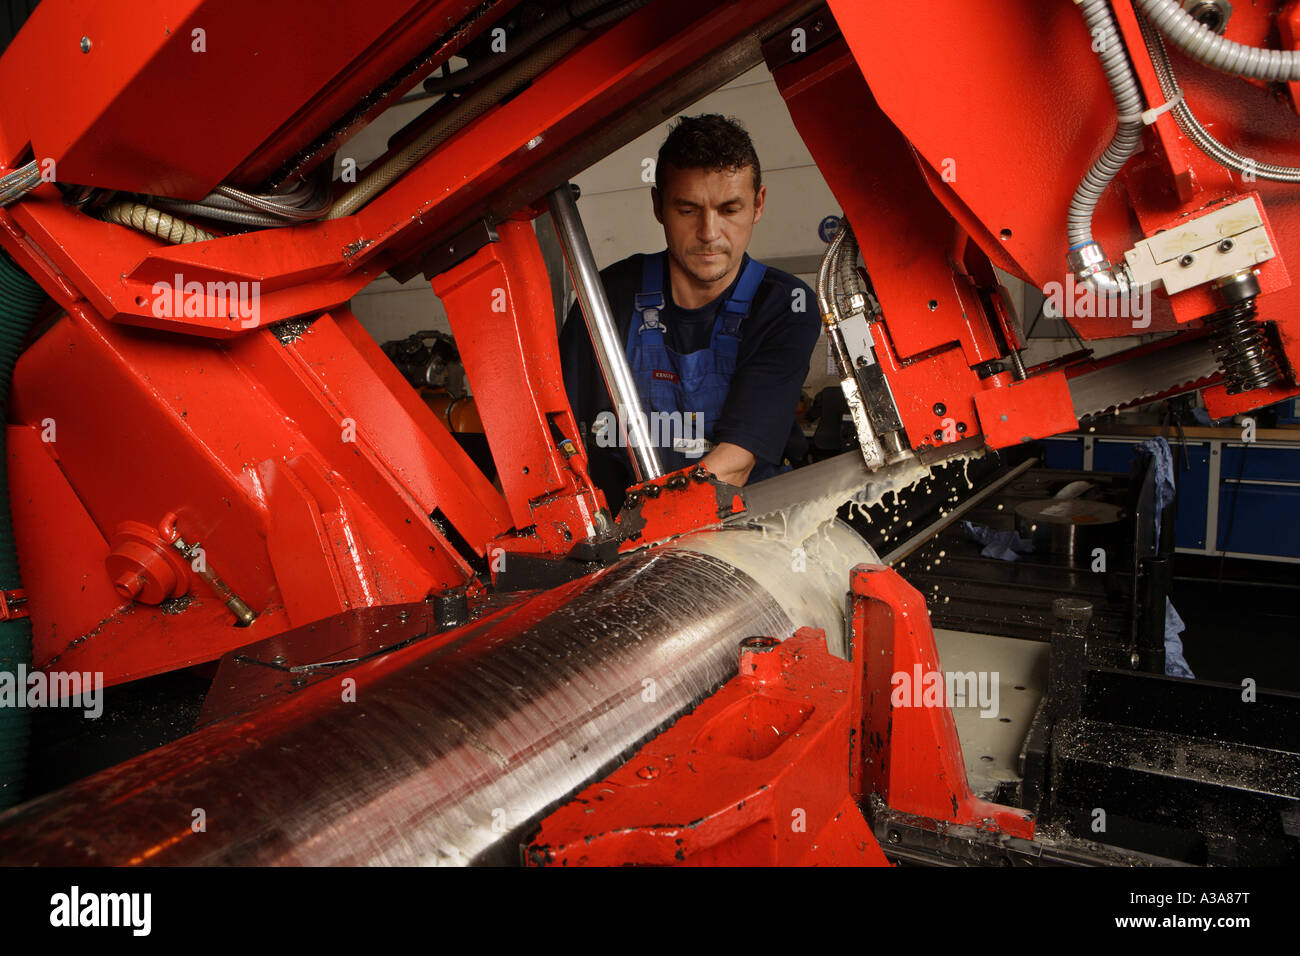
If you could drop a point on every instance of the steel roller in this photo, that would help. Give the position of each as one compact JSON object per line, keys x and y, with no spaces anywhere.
{"x":458,"y":744}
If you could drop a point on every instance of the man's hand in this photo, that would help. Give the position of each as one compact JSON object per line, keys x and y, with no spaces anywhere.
{"x":729,"y":463}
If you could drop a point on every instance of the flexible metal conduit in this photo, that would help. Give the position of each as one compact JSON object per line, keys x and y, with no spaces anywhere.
{"x":238,"y":217}
{"x":19,"y":182}
{"x":826,"y":303}
{"x":302,"y":210}
{"x":1191,"y":126}
{"x":850,"y":283}
{"x":1128,"y":132}
{"x":1201,"y":43}
{"x":304,"y":203}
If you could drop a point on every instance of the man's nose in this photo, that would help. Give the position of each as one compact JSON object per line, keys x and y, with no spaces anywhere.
{"x":710,"y":226}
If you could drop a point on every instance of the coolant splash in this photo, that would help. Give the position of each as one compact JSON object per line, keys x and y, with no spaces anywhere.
{"x":796,"y":507}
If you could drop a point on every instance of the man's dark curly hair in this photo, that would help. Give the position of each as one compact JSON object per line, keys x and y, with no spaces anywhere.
{"x":709,"y":141}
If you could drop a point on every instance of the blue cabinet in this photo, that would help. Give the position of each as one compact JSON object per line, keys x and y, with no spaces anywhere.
{"x":1113,"y":454}
{"x":1242,"y":499}
{"x":1259,"y":519}
{"x":1256,"y":462}
{"x":1064,"y":452}
{"x":1191,"y":478}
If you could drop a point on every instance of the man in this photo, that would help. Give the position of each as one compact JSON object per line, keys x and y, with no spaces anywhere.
{"x":718,"y":343}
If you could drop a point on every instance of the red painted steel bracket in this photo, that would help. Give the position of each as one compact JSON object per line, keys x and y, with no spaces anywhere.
{"x":498,"y":302}
{"x":756,"y":775}
{"x":912,"y":756}
{"x":926,"y":272}
{"x":1034,"y":408}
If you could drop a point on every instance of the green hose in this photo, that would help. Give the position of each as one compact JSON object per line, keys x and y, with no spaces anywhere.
{"x":20,"y":300}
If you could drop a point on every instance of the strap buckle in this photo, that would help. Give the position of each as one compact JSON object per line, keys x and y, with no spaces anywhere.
{"x":648,"y":306}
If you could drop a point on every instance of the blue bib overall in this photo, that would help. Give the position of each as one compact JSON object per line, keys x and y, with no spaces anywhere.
{"x":694,"y":382}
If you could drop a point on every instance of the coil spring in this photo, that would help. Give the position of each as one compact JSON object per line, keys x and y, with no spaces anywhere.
{"x":1242,"y":348}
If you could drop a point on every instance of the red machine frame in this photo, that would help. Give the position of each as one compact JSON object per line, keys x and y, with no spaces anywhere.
{"x":316,"y":480}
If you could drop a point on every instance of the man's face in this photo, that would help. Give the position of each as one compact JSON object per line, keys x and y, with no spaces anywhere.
{"x":708,"y":217}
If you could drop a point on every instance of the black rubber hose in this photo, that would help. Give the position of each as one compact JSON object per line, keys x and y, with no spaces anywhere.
{"x":20,"y":301}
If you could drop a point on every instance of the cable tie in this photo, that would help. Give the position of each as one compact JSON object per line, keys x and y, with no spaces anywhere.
{"x":1150,"y":116}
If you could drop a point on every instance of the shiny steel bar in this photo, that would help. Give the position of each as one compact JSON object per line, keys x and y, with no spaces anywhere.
{"x":457,"y":745}
{"x":633,"y":427}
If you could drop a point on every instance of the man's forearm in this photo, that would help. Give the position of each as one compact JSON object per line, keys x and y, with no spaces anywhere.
{"x":729,"y":463}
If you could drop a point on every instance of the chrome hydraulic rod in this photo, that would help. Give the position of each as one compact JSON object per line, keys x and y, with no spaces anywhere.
{"x":632,"y":423}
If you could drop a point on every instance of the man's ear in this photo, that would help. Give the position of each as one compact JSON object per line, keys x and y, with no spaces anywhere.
{"x":657,"y":201}
{"x":760,"y":200}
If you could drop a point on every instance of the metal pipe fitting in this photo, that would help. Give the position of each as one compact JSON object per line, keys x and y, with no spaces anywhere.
{"x":237,"y":606}
{"x":1092,"y":269}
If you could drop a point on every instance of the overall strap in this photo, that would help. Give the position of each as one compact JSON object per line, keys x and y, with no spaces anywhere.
{"x":737,"y":306}
{"x":650,"y":300}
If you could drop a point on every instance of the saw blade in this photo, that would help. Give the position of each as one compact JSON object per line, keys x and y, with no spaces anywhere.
{"x":1126,"y":383}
